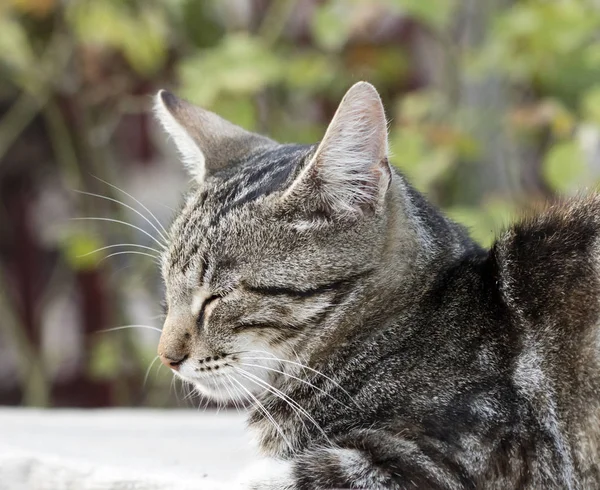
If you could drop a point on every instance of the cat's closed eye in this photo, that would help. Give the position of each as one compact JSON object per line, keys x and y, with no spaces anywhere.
{"x":208,"y":301}
{"x":254,"y":325}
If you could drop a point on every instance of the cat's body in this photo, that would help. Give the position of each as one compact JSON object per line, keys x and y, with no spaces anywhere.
{"x":387,"y":349}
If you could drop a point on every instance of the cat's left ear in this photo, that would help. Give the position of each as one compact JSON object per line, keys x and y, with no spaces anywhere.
{"x":205,"y":141}
{"x":349,"y":173}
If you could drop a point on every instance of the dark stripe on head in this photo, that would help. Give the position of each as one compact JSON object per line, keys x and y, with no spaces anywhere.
{"x":264,"y":173}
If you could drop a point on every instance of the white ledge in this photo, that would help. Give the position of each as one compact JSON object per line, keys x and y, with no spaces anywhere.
{"x":121,"y":449}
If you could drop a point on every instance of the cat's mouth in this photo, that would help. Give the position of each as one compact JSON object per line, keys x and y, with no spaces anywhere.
{"x":222,"y":378}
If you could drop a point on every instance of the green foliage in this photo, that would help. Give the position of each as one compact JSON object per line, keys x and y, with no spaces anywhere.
{"x":469,"y":87}
{"x":434,"y":13}
{"x":590,"y":105}
{"x":78,"y":250}
{"x":484,"y":222}
{"x":564,"y":166}
{"x":330,"y":27}
{"x":308,"y":70}
{"x":240,"y":65}
{"x":550,"y":43}
{"x":14,"y":46}
{"x":105,"y":358}
{"x":139,"y":34}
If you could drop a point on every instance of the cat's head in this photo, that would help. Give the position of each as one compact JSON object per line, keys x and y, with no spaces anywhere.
{"x":274,"y":244}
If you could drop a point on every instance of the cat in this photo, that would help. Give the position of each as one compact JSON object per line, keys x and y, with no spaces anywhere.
{"x":380,"y":347}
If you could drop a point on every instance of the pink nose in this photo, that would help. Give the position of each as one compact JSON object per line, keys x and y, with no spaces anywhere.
{"x":171,"y":363}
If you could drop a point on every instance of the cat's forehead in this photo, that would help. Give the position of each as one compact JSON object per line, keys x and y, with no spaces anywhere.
{"x":217,"y":216}
{"x":259,"y":174}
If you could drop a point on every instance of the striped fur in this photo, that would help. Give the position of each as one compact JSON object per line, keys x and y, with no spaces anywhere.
{"x":387,"y":350}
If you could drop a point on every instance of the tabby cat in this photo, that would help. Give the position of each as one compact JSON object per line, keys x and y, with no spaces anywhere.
{"x":379,"y":346}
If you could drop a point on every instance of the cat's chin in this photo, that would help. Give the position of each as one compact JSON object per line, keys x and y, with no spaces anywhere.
{"x":222,"y":388}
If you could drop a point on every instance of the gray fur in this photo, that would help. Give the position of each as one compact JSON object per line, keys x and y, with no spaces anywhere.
{"x":430,"y":363}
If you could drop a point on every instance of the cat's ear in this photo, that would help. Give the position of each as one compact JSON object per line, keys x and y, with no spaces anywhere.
{"x":349,"y":173}
{"x":205,"y":141}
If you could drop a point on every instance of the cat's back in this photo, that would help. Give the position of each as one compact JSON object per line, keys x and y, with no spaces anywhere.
{"x":549,"y":277}
{"x":549,"y":264}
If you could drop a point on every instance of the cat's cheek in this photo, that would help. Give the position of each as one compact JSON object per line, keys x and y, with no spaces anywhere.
{"x":267,"y":474}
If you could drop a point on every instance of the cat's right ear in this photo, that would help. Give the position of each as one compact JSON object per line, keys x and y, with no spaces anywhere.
{"x":205,"y":141}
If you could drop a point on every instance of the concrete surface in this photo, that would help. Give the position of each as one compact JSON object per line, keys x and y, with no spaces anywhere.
{"x":121,"y":449}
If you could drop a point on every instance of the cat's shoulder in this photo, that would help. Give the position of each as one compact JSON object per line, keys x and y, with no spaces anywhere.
{"x":548,"y":262}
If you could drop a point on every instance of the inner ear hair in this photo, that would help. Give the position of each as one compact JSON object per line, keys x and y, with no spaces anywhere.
{"x":349,"y":172}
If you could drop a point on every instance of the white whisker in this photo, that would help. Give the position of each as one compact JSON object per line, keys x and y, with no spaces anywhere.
{"x":262,"y":408}
{"x":148,"y":370}
{"x":137,"y":201}
{"x":100,"y":196}
{"x":237,"y":398}
{"x":229,"y":395}
{"x":290,"y":401}
{"x":206,"y":403}
{"x":120,"y":245}
{"x":134,"y":252}
{"x":274,"y":391}
{"x":94,"y":218}
{"x":173,"y":388}
{"x":294,"y":377}
{"x":274,"y":358}
{"x":130,"y":326}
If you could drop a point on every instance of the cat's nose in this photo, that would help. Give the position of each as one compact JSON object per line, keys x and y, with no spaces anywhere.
{"x":175,"y":339}
{"x":170,"y":362}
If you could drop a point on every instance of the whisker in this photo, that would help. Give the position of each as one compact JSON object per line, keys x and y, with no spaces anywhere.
{"x":297,"y":379}
{"x":232,"y":393}
{"x":237,"y":398}
{"x":100,"y":196}
{"x":185,"y":391}
{"x":262,"y":408}
{"x":172,"y":387}
{"x":190,"y":392}
{"x":229,"y":395}
{"x":276,"y":392}
{"x":129,"y":326}
{"x":290,"y":401}
{"x":297,"y":359}
{"x":274,"y":358}
{"x":137,"y":201}
{"x":120,"y":245}
{"x":95,"y":218}
{"x":206,"y":403}
{"x":134,"y":252}
{"x":148,"y":371}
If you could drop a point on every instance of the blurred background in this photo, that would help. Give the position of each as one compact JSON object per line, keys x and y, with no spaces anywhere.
{"x":493,"y":105}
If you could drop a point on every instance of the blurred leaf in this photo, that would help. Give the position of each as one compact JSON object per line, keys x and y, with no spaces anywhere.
{"x":379,"y":64}
{"x":202,"y":24}
{"x":330,"y":25}
{"x":564,"y":166}
{"x":419,"y":105}
{"x":104,"y":358}
{"x":140,"y":35}
{"x":545,"y":113}
{"x":435,"y":13}
{"x":240,"y":110}
{"x":475,"y":220}
{"x":308,"y":70}
{"x":485,"y":222}
{"x":76,"y":248}
{"x":422,"y":164}
{"x":590,"y":104}
{"x":38,"y":8}
{"x":239,"y":65}
{"x":15,"y":51}
{"x":548,"y":43}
